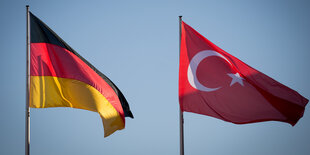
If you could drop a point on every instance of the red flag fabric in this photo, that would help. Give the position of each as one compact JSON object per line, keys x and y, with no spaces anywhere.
{"x":215,"y":83}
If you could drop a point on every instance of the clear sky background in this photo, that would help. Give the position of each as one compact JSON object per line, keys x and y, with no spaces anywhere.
{"x":136,"y":44}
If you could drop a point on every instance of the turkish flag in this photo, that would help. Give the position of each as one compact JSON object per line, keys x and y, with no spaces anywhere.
{"x":215,"y":83}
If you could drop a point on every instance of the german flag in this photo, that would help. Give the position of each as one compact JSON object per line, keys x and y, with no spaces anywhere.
{"x":60,"y":77}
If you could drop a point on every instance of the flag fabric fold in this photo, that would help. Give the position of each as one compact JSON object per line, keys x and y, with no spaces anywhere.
{"x":212,"y":82}
{"x":60,"y":77}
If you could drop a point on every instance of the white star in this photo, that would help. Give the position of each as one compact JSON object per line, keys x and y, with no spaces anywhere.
{"x":235,"y":78}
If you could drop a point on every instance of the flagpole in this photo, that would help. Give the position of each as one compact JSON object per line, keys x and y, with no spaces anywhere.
{"x":181,"y":113}
{"x":27,"y":113}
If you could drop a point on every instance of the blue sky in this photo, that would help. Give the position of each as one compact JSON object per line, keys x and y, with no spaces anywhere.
{"x":135,"y":43}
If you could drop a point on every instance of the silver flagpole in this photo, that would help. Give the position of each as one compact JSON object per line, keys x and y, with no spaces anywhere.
{"x":181,"y":113}
{"x":27,"y":127}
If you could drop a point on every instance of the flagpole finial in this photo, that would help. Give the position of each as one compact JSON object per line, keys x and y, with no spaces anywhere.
{"x":27,"y":6}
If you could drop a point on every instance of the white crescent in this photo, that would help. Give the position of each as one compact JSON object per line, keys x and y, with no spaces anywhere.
{"x":192,"y":68}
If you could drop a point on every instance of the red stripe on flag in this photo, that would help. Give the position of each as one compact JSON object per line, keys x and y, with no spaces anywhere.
{"x":52,"y":60}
